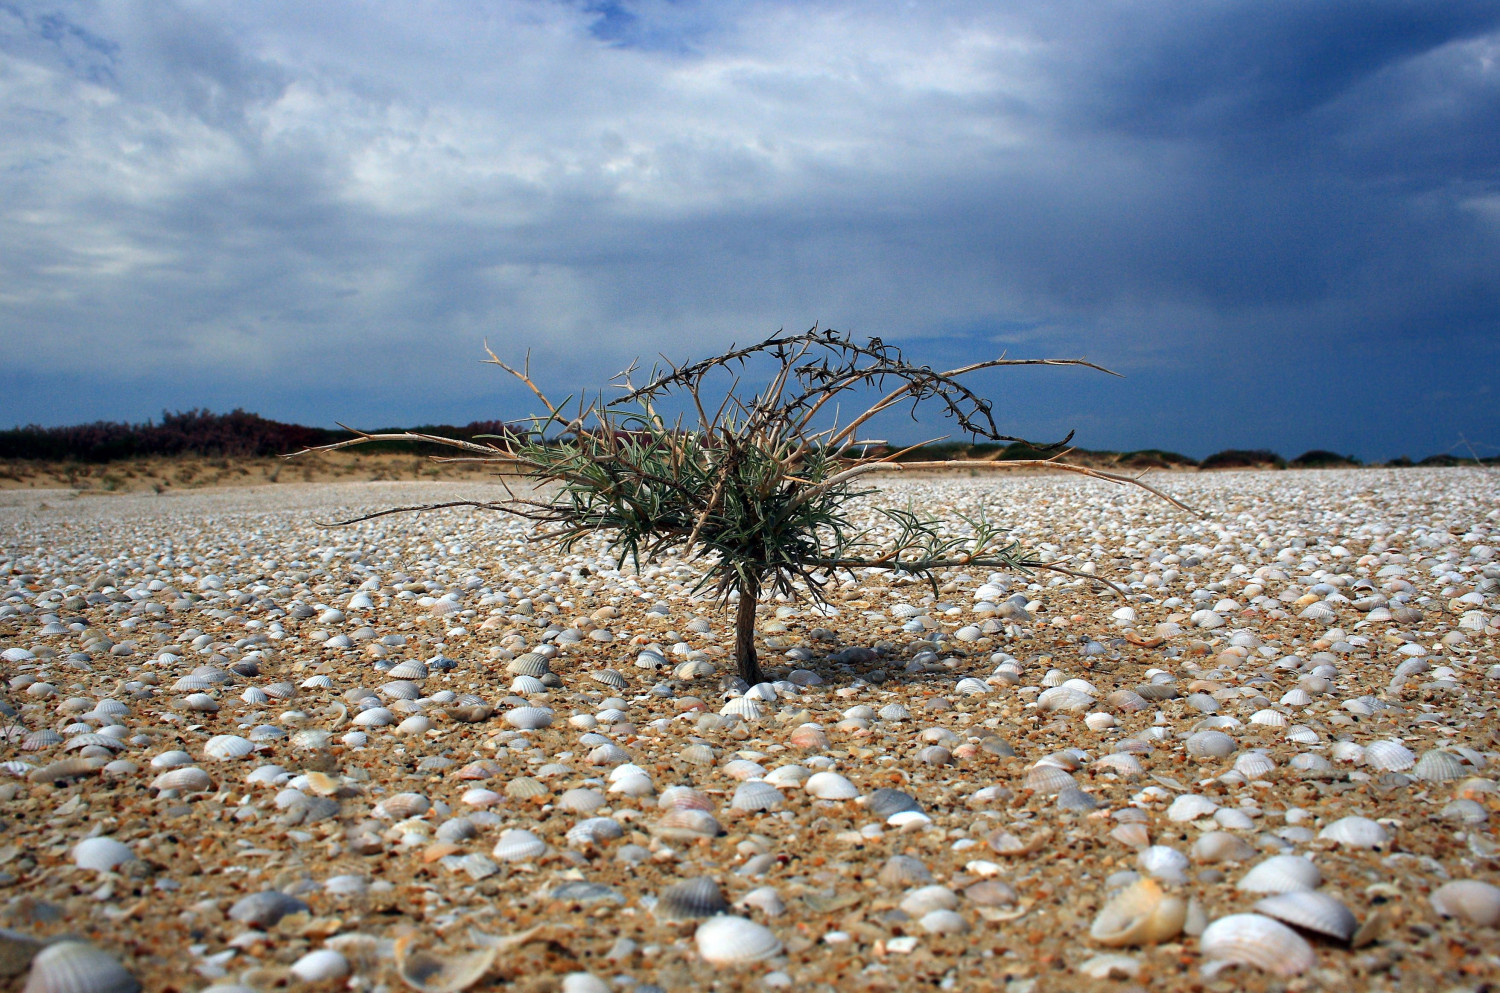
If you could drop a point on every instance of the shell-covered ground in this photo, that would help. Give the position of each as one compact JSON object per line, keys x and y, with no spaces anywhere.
{"x":246,"y":751}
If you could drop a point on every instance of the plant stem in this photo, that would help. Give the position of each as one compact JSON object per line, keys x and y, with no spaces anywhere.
{"x":744,"y":632}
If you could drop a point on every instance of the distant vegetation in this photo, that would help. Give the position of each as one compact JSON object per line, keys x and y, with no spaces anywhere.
{"x":243,"y":434}
{"x":193,"y":432}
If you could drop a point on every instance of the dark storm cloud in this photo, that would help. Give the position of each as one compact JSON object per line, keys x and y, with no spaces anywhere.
{"x":1256,"y":210}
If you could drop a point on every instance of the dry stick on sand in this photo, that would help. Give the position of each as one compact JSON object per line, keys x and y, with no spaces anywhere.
{"x":760,"y":487}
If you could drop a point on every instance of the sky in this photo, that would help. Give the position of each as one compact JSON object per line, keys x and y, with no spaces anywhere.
{"x":1277,"y":220}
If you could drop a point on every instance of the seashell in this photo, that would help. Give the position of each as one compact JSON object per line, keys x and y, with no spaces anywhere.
{"x":64,"y":769}
{"x":430,"y":973}
{"x":280,"y":691}
{"x":374,"y":717}
{"x":925,"y":899}
{"x":788,"y":776}
{"x":417,"y":724}
{"x":1469,"y":900}
{"x":404,"y":805}
{"x":1346,"y":751}
{"x":885,"y":802}
{"x":1281,"y":874}
{"x":1258,"y":941}
{"x":684,"y":798}
{"x":1165,"y":863}
{"x":1389,"y":755}
{"x":527,"y":686}
{"x":1210,"y":744}
{"x":478,"y":796}
{"x":581,"y":800}
{"x":635,"y":784}
{"x":1356,"y":832}
{"x":593,"y":830}
{"x":101,"y":854}
{"x":755,"y":795}
{"x":411,"y":669}
{"x":1298,"y":697}
{"x":1254,"y":765}
{"x":608,"y":754}
{"x":529,"y":718}
{"x":227,"y":746}
{"x":691,"y":899}
{"x":830,"y":786}
{"x":456,"y":829}
{"x":686,"y":824}
{"x":1312,"y":911}
{"x":1140,"y":914}
{"x":902,"y":871}
{"x":1122,"y":763}
{"x":38,"y":740}
{"x":1127,"y":701}
{"x":694,"y":669}
{"x":1133,"y":834}
{"x":518,"y":845}
{"x":171,"y":759}
{"x":1221,"y":846}
{"x":320,"y":965}
{"x":1048,"y":780}
{"x":188,"y":779}
{"x":1100,"y":721}
{"x":611,"y":678}
{"x":78,"y":967}
{"x":893,"y":712}
{"x":1319,"y":613}
{"x":742,"y":769}
{"x":809,"y":738}
{"x":765,"y":899}
{"x":529,"y":664}
{"x":1065,"y":699}
{"x":743,"y":707}
{"x":1438,"y":766}
{"x":262,"y":910}
{"x":969,"y":686}
{"x":1269,"y":718}
{"x":311,"y":739}
{"x":481,"y":769}
{"x":733,"y":941}
{"x":1190,"y":807}
{"x":96,"y":740}
{"x":318,"y":682}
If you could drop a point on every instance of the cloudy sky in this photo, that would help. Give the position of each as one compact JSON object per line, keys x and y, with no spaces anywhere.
{"x":1278,"y":219}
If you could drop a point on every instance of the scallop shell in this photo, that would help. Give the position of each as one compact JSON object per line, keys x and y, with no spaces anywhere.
{"x":694,"y":669}
{"x":478,"y":796}
{"x":1438,"y":766}
{"x":527,"y":686}
{"x":611,"y":678}
{"x":581,"y":800}
{"x":809,"y":738}
{"x":188,"y":779}
{"x":734,"y":941}
{"x":228,"y":746}
{"x":1254,"y":765}
{"x":1190,"y":807}
{"x":1123,"y":763}
{"x":529,"y":718}
{"x":686,"y":825}
{"x":530,"y":664}
{"x":684,"y":798}
{"x":1356,"y":832}
{"x":893,"y":712}
{"x":742,"y":707}
{"x":447,"y":973}
{"x":1269,"y":718}
{"x":1258,"y":941}
{"x":690,"y":899}
{"x":1221,"y":846}
{"x":1389,"y":755}
{"x":1049,"y":780}
{"x":1127,"y":701}
{"x":1065,"y":699}
{"x":404,"y":805}
{"x":38,"y":740}
{"x":765,"y":899}
{"x":1140,"y":914}
{"x":592,"y":830}
{"x":410,"y":669}
{"x":101,"y":854}
{"x":1210,"y":744}
{"x":1469,"y":900}
{"x":1281,"y":874}
{"x":78,"y":967}
{"x":518,"y":845}
{"x":756,"y":794}
{"x":885,"y":802}
{"x":1320,"y":613}
{"x":902,"y":871}
{"x":830,"y":786}
{"x":1133,"y":835}
{"x":1311,"y":911}
{"x":1165,"y":863}
{"x":789,"y":776}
